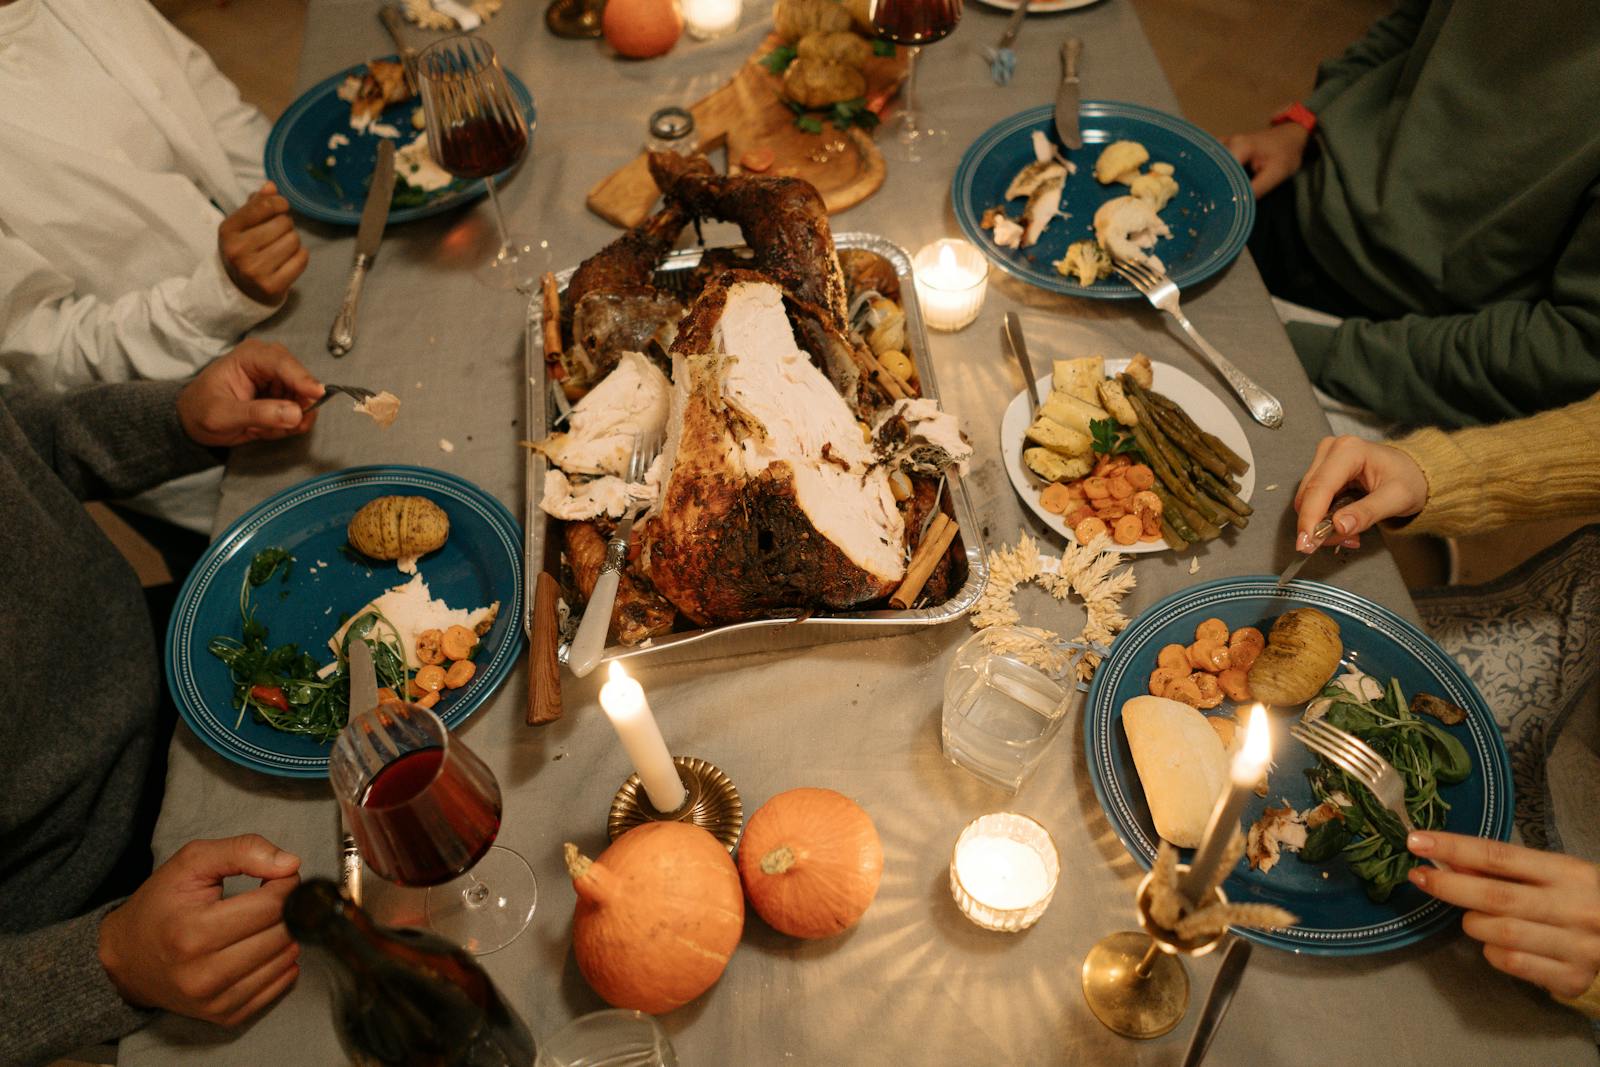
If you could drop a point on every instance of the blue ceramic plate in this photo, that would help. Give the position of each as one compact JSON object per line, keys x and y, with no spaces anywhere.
{"x":1210,"y":218}
{"x":1336,"y":916}
{"x":479,"y":564}
{"x":298,"y":152}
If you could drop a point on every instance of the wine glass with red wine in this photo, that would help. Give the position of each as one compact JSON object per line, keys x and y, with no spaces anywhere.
{"x":914,"y":23}
{"x":425,"y":811}
{"x":477,"y":130}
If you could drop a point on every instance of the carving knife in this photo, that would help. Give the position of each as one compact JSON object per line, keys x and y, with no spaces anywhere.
{"x":1067,"y":94}
{"x":363,"y":697}
{"x":374,"y":215}
{"x":1019,"y":352}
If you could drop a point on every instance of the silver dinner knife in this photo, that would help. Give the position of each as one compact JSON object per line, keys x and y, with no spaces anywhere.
{"x":1067,"y":94}
{"x":390,"y":17}
{"x":1319,"y":533}
{"x":1019,"y":352}
{"x":374,"y":215}
{"x":363,"y":697}
{"x":1217,"y":1001}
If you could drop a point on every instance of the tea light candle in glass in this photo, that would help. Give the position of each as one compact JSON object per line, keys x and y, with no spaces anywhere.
{"x":707,"y":20}
{"x":1004,"y":871}
{"x":952,"y":278}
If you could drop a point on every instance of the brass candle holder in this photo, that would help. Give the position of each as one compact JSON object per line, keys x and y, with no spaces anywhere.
{"x":574,"y":19}
{"x":1133,"y":979}
{"x":710,"y":802}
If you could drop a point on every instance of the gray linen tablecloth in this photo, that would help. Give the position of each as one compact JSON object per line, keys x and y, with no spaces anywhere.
{"x":915,"y":981}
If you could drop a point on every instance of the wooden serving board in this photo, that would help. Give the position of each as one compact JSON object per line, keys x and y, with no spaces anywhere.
{"x":749,"y":113}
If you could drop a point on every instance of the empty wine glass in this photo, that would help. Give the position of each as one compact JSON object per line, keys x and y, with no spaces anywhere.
{"x":477,"y":130}
{"x":914,"y":23}
{"x":425,"y":811}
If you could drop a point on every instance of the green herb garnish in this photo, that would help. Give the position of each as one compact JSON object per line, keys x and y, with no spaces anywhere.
{"x":285,"y":687}
{"x":883,"y":48}
{"x":779,"y":58}
{"x":1111,"y":439}
{"x":322,"y":174}
{"x":848,"y":113}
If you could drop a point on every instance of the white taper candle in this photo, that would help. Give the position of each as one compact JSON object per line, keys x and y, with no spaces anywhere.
{"x":623,"y":700}
{"x":1247,"y":769}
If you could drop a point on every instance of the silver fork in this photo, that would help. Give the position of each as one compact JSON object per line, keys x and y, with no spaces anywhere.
{"x":1163,"y":295}
{"x":589,"y":642}
{"x":354,"y":392}
{"x":1358,"y":759}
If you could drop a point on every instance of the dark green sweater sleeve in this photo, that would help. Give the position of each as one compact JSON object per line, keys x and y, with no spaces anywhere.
{"x":109,"y":440}
{"x":1390,"y":36}
{"x":1509,"y":360}
{"x":57,"y":997}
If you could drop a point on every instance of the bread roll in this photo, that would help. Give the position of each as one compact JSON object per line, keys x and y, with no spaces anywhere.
{"x":1181,"y":762}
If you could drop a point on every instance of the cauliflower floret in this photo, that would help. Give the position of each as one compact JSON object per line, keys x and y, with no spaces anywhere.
{"x":1119,"y":162}
{"x":1155,"y":186}
{"x":1126,"y":226}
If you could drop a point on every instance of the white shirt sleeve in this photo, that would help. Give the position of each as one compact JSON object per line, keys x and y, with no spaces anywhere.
{"x":240,"y":127}
{"x":51,"y":336}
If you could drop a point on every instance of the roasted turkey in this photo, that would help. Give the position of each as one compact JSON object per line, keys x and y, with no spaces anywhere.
{"x":771,"y":499}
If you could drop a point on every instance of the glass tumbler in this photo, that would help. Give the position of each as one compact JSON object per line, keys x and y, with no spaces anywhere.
{"x":612,"y":1038}
{"x":1006,"y":695}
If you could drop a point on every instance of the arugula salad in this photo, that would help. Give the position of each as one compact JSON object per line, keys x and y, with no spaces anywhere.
{"x":1366,"y":833}
{"x":287,"y":688}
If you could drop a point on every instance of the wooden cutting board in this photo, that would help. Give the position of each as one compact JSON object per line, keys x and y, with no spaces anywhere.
{"x":749,"y":113}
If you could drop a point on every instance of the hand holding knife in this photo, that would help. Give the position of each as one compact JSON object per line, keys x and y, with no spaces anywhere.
{"x":374,"y":215}
{"x":1319,"y":535}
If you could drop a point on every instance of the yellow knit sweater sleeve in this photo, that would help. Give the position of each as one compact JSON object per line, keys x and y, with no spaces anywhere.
{"x":1545,"y":466}
{"x":1589,"y":1003}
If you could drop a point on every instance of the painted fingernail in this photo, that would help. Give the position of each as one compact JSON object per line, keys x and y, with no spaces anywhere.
{"x":1420,"y":876}
{"x":289,"y":414}
{"x":1303,"y":543}
{"x":284,"y":860}
{"x":1419,"y":842}
{"x":1345,"y":523}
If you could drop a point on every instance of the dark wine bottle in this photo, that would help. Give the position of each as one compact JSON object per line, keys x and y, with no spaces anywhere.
{"x":409,"y":997}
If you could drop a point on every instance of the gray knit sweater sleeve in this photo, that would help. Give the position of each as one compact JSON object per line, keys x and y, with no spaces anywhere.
{"x":56,"y":995}
{"x":110,"y":440}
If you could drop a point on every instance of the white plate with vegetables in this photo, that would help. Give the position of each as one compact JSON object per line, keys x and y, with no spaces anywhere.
{"x":1080,"y":419}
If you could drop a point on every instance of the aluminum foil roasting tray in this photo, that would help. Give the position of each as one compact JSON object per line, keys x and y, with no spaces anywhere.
{"x":762,"y":635}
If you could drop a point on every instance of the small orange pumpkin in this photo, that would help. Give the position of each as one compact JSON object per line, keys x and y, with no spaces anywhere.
{"x":641,"y":29}
{"x":810,"y":862}
{"x":659,"y":913}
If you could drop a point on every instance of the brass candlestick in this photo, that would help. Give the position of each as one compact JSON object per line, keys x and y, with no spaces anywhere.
{"x":574,"y":18}
{"x":710,"y":802}
{"x":1133,"y":980}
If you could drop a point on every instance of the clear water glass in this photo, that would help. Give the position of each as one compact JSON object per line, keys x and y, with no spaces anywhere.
{"x":1006,"y":695}
{"x":611,"y":1038}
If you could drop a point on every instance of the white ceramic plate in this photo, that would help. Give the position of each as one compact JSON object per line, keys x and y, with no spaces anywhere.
{"x":1041,"y":7}
{"x":1203,"y":406}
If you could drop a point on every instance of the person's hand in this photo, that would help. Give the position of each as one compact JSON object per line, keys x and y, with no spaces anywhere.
{"x":256,"y":392}
{"x":260,"y":247}
{"x":1537,"y":913}
{"x":1271,"y":155}
{"x":1394,"y":486}
{"x":177,"y":945}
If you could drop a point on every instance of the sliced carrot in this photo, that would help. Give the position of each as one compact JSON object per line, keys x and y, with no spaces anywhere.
{"x":758,"y":160}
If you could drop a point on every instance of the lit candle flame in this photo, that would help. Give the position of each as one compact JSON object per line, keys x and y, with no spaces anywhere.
{"x":1256,"y":753}
{"x":949,"y":271}
{"x":617,"y":673}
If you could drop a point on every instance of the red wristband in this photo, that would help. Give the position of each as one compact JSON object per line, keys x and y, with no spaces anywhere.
{"x":1298,"y":114}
